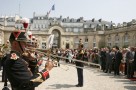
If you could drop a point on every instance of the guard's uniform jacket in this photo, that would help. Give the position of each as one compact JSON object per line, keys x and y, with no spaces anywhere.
{"x":80,"y":70}
{"x":19,"y":75}
{"x":32,"y":64}
{"x":80,"y":56}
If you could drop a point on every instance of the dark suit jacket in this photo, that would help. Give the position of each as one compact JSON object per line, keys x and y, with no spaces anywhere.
{"x":135,"y":61}
{"x":80,"y":56}
{"x":108,"y":57}
{"x":118,"y":57}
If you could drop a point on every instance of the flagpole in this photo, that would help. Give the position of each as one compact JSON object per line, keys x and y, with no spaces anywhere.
{"x":52,"y":8}
{"x":19,"y":8}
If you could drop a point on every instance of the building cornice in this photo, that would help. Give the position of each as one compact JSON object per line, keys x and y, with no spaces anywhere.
{"x":121,"y":30}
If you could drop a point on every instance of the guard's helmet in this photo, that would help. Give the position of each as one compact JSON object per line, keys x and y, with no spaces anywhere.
{"x":18,"y":35}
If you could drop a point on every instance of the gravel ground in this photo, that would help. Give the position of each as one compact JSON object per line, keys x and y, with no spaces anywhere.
{"x":65,"y":78}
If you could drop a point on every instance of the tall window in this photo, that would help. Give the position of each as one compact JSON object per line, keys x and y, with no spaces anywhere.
{"x":134,"y":39}
{"x":86,"y":39}
{"x":109,"y":41}
{"x":94,"y":41}
{"x":126,"y":39}
{"x":43,"y":45}
{"x":67,"y":38}
{"x":41,"y":26}
{"x":86,"y":42}
{"x":76,"y":42}
{"x":0,"y":37}
{"x":81,"y":30}
{"x":75,"y":30}
{"x":68,"y":29}
{"x":117,"y":40}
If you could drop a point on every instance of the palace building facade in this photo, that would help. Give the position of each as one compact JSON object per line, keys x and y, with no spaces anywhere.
{"x":68,"y":31}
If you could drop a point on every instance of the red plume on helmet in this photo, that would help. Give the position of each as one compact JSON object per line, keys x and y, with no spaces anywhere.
{"x":21,"y":35}
{"x":25,"y":22}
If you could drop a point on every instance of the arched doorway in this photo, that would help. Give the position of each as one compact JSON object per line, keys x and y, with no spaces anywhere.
{"x":67,"y":45}
{"x":56,"y":41}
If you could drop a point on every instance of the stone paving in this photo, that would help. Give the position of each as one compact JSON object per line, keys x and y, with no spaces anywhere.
{"x":65,"y":77}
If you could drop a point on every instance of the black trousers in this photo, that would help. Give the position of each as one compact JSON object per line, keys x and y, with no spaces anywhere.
{"x":3,"y":75}
{"x":103,"y":64}
{"x":108,"y":67}
{"x":130,"y":70}
{"x":116,"y":68}
{"x":80,"y":76}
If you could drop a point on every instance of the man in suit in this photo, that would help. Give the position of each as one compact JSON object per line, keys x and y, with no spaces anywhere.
{"x":103,"y":59}
{"x":118,"y":58}
{"x":130,"y":62}
{"x":80,"y":56}
{"x":135,"y":62}
{"x":109,"y":57}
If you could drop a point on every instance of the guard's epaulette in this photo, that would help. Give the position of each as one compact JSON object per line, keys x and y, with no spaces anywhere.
{"x":14,"y":56}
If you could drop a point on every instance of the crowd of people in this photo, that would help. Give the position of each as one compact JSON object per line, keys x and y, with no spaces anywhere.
{"x":121,"y":61}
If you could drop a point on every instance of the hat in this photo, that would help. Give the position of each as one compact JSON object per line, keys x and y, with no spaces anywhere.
{"x":18,"y":35}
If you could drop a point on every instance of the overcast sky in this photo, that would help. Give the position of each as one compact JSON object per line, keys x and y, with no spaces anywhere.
{"x":117,"y":11}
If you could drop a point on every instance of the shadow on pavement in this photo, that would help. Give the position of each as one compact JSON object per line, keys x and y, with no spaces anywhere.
{"x":129,"y":84}
{"x":130,"y":87}
{"x":58,"y":86}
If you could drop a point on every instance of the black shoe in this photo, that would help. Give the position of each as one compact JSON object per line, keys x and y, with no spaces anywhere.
{"x":79,"y":85}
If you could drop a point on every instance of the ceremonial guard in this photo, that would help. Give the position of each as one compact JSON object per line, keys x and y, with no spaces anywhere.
{"x":80,"y":56}
{"x":117,"y":61}
{"x":30,"y":55}
{"x":16,"y":68}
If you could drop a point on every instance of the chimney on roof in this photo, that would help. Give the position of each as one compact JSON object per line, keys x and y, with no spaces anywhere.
{"x":100,"y":20}
{"x":33,"y":14}
{"x":81,"y":18}
{"x":93,"y":19}
{"x":60,"y":16}
{"x":68,"y":17}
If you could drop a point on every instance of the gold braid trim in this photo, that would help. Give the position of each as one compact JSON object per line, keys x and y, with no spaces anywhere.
{"x":38,"y":79}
